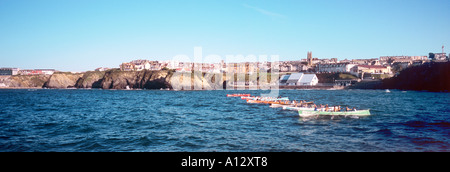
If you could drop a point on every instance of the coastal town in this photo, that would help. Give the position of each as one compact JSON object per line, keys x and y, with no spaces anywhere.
{"x":303,"y":72}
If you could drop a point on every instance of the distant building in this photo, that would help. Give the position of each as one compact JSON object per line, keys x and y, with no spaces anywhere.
{"x":294,"y":78}
{"x":47,"y":71}
{"x":9,"y":71}
{"x":293,"y":66}
{"x":393,"y":58}
{"x":361,"y":61}
{"x":127,"y":67}
{"x":299,"y":79}
{"x":284,"y":79}
{"x":36,"y":72}
{"x":140,"y":64}
{"x":374,"y":69}
{"x":310,"y":59}
{"x":337,"y":67}
{"x":308,"y":79}
{"x":438,"y":56}
{"x":245,"y":67}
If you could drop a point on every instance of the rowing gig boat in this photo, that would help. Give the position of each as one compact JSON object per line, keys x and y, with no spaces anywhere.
{"x":297,"y":108}
{"x":276,"y":105}
{"x":308,"y":113}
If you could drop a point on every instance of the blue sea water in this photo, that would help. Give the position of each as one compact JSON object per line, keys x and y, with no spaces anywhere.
{"x":159,"y":121}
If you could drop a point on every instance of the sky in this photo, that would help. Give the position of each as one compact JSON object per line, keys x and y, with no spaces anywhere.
{"x":81,"y":35}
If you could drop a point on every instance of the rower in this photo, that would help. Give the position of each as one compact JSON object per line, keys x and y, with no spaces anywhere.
{"x":347,"y":109}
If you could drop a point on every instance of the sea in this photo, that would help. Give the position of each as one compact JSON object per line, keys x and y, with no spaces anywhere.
{"x":94,"y":120}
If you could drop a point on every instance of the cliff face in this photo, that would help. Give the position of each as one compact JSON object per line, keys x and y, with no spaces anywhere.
{"x":90,"y":79}
{"x":28,"y":81}
{"x":116,"y":79}
{"x":62,"y":80}
{"x":430,"y":76}
{"x":196,"y":81}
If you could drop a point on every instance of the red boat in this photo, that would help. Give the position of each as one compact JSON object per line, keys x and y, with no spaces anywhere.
{"x":238,"y":95}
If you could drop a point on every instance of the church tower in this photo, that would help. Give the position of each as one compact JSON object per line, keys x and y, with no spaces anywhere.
{"x":309,"y":58}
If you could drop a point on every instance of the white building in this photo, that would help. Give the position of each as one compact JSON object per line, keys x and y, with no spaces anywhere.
{"x":308,"y":79}
{"x":142,"y":66}
{"x":299,"y":79}
{"x":36,"y":71}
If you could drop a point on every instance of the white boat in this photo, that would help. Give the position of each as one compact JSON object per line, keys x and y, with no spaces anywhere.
{"x":308,"y":113}
{"x":297,"y":108}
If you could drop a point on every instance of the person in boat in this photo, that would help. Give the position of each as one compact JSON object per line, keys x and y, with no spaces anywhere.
{"x":354,"y":109}
{"x":347,"y":109}
{"x":326,"y":108}
{"x":315,"y":107}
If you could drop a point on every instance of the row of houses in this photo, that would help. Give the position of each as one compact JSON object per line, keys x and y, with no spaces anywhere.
{"x":381,"y":65}
{"x":245,"y":67}
{"x":17,"y":71}
{"x":354,"y":69}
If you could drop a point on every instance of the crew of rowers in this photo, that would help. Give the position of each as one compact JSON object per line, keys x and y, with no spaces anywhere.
{"x":326,"y":108}
{"x":277,"y":99}
{"x":305,"y":104}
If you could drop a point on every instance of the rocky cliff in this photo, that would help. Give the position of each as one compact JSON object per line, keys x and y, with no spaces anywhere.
{"x":62,"y":80}
{"x":19,"y":81}
{"x":431,"y":76}
{"x":90,"y":79}
{"x":116,"y":79}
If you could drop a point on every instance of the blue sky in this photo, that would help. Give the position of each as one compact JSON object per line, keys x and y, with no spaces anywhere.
{"x":80,"y":35}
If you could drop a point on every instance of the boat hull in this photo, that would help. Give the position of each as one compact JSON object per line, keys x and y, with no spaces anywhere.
{"x":297,"y":108}
{"x":307,"y":113}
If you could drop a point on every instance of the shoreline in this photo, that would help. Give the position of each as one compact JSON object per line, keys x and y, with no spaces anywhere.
{"x":18,"y":88}
{"x":232,"y":88}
